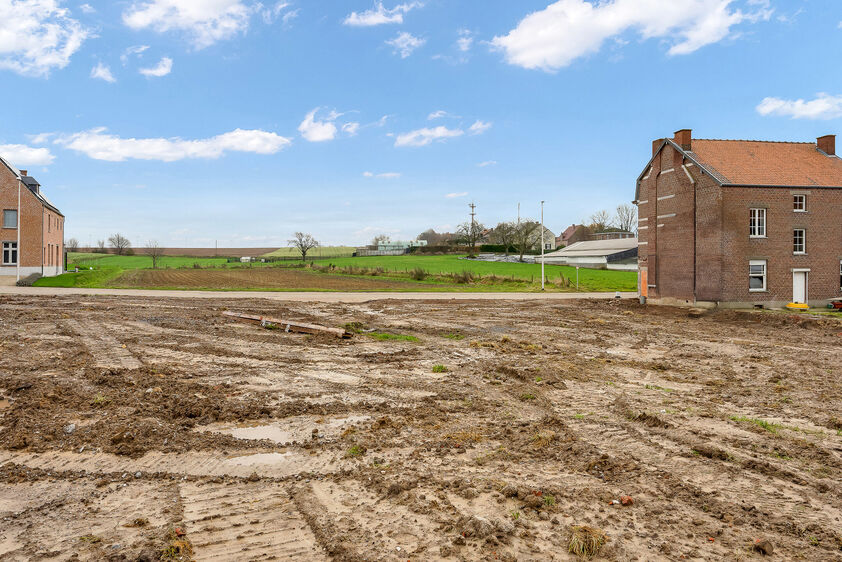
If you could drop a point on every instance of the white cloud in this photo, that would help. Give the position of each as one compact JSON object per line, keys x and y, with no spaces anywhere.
{"x":384,"y":175}
{"x":87,"y":9}
{"x":487,"y":163}
{"x":289,"y":16}
{"x":479,"y":127}
{"x":318,"y":131}
{"x":824,"y":106}
{"x":465,"y":41}
{"x":405,"y":43}
{"x":455,"y":195}
{"x":351,"y":128}
{"x":131,"y":51}
{"x":204,"y":21}
{"x":439,"y":114}
{"x":99,"y":145}
{"x":163,"y":68}
{"x":22,"y":155}
{"x":40,"y":138}
{"x":37,"y":36}
{"x":380,"y":15}
{"x":423,"y":137}
{"x":554,"y":37}
{"x":102,"y":72}
{"x":271,"y":14}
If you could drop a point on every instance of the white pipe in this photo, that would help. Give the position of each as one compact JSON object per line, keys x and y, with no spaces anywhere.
{"x":17,"y":243}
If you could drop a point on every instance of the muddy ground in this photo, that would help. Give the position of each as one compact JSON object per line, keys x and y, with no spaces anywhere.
{"x":136,"y":428}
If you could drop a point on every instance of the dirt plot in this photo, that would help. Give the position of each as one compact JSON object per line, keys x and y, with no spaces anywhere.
{"x":257,"y":278}
{"x":136,"y":428}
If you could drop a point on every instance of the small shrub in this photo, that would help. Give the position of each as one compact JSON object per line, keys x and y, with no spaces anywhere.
{"x":464,"y":277}
{"x":439,"y":369}
{"x":586,"y":541}
{"x":418,"y":274}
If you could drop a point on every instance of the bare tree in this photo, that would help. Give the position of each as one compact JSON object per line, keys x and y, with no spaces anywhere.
{"x":626,"y":218}
{"x":72,"y":245}
{"x":100,"y":247}
{"x":155,"y":252}
{"x":470,"y":232}
{"x":303,"y":243}
{"x":380,"y":239}
{"x":600,"y":221}
{"x":527,"y":233}
{"x":120,"y":243}
{"x":504,"y":234}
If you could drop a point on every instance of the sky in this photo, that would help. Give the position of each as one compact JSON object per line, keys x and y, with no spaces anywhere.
{"x":238,"y":123}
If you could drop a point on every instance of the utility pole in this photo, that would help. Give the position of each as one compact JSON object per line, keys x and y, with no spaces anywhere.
{"x":518,"y":214}
{"x":472,"y":232}
{"x":542,"y":245}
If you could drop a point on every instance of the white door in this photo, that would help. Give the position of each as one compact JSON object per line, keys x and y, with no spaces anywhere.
{"x":799,"y":286}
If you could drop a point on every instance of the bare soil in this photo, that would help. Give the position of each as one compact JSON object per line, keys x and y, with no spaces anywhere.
{"x":134,"y":428}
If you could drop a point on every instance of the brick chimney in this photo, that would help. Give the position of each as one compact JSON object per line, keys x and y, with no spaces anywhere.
{"x":24,"y":173}
{"x":656,"y":144}
{"x":684,"y":139}
{"x":827,"y":144}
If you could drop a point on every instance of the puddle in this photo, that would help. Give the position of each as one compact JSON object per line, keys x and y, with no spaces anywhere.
{"x":261,"y":459}
{"x":299,"y":428}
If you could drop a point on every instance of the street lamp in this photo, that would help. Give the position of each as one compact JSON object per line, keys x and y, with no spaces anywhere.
{"x":542,"y":245}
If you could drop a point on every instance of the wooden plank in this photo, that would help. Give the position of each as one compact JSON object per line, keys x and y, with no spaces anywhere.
{"x":288,"y":325}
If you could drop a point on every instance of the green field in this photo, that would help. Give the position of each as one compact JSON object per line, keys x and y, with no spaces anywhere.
{"x":101,"y":270}
{"x":590,"y":279}
{"x":314,"y":253}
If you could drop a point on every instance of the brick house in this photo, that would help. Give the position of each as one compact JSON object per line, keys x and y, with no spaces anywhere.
{"x":31,"y":228}
{"x":740,"y":223}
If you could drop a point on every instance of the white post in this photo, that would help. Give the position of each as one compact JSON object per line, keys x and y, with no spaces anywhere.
{"x":542,"y":245}
{"x":17,"y":243}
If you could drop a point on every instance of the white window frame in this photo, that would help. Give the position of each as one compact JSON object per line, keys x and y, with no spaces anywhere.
{"x":9,"y":246}
{"x":795,"y":199}
{"x":803,"y":249}
{"x":757,"y":222}
{"x":762,"y":276}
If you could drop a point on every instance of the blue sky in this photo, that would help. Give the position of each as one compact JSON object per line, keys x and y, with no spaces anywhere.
{"x":190,"y":121}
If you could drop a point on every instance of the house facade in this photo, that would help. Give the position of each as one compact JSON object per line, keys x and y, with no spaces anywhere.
{"x":740,"y":223}
{"x":31,"y":228}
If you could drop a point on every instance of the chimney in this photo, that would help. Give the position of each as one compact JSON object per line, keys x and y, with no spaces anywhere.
{"x":683,"y":138}
{"x":23,"y":173}
{"x":656,"y":144}
{"x":827,"y":144}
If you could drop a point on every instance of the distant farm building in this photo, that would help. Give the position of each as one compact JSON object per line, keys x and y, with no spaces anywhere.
{"x":618,"y":253}
{"x":390,"y":248}
{"x":31,"y":228}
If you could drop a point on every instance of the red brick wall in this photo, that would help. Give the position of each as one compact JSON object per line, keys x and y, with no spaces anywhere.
{"x":31,"y":220}
{"x":823,"y":225}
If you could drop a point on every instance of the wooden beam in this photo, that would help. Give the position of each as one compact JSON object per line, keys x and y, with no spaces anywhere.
{"x":290,"y":326}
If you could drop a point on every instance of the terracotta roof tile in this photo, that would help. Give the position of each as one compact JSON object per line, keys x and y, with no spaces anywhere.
{"x":747,"y":162}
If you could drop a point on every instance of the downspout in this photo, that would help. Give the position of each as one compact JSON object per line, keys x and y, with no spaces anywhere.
{"x":42,"y":241}
{"x":693,"y":183}
{"x":18,"y":233}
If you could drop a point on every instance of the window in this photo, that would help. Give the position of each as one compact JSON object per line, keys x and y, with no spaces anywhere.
{"x":799,"y":203}
{"x":10,"y":218}
{"x":10,"y":253}
{"x":757,"y":223}
{"x":757,"y":275}
{"x":798,"y":241}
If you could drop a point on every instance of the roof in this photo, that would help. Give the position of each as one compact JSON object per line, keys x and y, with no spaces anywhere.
{"x":590,"y":248}
{"x":569,"y":231}
{"x":761,"y":163}
{"x":32,"y":184}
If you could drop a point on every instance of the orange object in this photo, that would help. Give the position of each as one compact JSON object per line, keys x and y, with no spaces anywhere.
{"x":626,"y":500}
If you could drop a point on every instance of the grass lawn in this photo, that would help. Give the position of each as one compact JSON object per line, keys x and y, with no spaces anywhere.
{"x":510,"y":276}
{"x":589,"y":279}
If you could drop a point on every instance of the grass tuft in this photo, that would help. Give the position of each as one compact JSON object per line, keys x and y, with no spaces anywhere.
{"x":768,"y":426}
{"x":585,"y":541}
{"x":439,"y":369}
